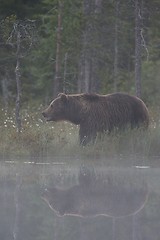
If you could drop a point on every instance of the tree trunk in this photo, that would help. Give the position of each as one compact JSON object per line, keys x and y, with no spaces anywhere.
{"x":116,"y":46}
{"x":87,"y":71}
{"x":80,"y":76}
{"x":138,"y":47}
{"x":5,"y":91}
{"x":86,"y":52}
{"x":65,"y":71}
{"x":57,"y":78}
{"x":88,"y":80}
{"x":18,"y":84}
{"x":95,"y":84}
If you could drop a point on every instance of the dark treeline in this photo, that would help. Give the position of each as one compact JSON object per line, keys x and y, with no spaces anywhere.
{"x":51,"y":46}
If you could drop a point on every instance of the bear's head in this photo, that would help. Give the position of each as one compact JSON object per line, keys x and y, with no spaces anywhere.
{"x":65,"y":108}
{"x":56,"y":111}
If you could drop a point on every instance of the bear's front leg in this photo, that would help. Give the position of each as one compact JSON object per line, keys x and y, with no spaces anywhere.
{"x":86,"y":136}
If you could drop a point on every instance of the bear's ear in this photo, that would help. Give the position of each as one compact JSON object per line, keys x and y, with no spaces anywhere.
{"x":63,"y":97}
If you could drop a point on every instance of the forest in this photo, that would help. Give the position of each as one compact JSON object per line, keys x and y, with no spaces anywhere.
{"x":79,"y":46}
{"x":52,"y":46}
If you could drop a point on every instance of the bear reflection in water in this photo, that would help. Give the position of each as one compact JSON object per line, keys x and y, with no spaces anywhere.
{"x":95,"y":196}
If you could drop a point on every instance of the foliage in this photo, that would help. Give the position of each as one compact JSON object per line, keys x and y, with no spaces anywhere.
{"x":41,"y":141}
{"x":150,"y":80}
{"x":38,"y":68}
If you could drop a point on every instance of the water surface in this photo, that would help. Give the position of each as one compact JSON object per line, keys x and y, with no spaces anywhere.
{"x":56,"y":200}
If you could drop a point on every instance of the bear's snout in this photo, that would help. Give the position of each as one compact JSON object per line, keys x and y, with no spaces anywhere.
{"x":47,"y":116}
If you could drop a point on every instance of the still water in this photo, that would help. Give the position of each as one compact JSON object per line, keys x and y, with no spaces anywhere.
{"x":56,"y":201}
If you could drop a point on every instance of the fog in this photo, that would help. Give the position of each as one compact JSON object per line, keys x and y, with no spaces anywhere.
{"x":60,"y":201}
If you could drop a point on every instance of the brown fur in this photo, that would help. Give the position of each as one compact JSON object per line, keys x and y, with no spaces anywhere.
{"x":98,"y":113}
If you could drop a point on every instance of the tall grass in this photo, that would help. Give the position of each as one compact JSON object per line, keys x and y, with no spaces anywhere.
{"x":39,"y":141}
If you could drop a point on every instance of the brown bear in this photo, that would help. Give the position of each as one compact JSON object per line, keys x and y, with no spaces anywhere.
{"x":98,"y":113}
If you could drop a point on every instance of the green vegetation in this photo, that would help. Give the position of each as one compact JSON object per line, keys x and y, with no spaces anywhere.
{"x":96,"y":48}
{"x":41,"y":141}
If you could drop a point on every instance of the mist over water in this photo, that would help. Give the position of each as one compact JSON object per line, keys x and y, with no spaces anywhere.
{"x":58,"y":200}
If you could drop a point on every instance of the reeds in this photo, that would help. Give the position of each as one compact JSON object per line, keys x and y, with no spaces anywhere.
{"x":40,"y":141}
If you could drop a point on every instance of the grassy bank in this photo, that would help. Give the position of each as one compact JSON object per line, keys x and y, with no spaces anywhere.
{"x":41,"y":140}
